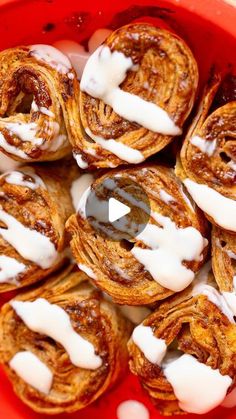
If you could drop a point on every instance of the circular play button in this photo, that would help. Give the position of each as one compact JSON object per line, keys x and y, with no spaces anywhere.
{"x":116,"y":207}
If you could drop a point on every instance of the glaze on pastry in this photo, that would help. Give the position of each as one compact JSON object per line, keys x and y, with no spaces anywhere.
{"x":35,"y":203}
{"x":62,"y":344}
{"x":36,"y":88}
{"x":159,"y":261}
{"x":184,"y":353}
{"x":136,"y":91}
{"x":209,"y":161}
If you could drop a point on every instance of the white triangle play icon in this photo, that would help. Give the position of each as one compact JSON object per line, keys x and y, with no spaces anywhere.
{"x":116,"y":210}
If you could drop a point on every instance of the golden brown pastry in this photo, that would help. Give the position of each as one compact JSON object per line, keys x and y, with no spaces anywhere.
{"x":224,"y":263}
{"x":184,"y":353}
{"x":136,"y":92}
{"x":162,"y":258}
{"x":79,"y":352}
{"x":208,"y":159}
{"x":35,"y":203}
{"x":37,"y":85}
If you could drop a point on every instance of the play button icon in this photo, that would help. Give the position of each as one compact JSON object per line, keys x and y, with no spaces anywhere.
{"x":115,"y":206}
{"x":116,"y":210}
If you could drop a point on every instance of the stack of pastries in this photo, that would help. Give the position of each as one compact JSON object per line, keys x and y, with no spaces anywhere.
{"x":163,"y":300}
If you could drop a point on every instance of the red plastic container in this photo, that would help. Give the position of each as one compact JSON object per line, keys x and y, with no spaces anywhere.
{"x":208,"y":26}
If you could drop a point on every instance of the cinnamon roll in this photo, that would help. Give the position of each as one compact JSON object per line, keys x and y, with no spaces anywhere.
{"x":35,"y":203}
{"x":224,"y":264}
{"x":136,"y":91}
{"x":208,"y":159}
{"x":153,"y":264}
{"x":37,"y":85}
{"x":62,"y":345}
{"x":184,"y":353}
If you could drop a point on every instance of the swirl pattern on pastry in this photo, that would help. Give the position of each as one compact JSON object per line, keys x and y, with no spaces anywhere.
{"x":35,"y":203}
{"x":208,"y":159}
{"x":134,"y":270}
{"x":158,"y":78}
{"x":37,"y":84}
{"x":224,"y":264}
{"x":92,"y":318}
{"x":192,"y":331}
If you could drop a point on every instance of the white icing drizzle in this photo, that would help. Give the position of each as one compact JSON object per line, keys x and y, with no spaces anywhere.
{"x":165,"y":197}
{"x":58,"y":142}
{"x":79,"y":160}
{"x":197,"y":386}
{"x":153,"y":348}
{"x":10,"y":268}
{"x":76,"y":53}
{"x":169,"y":247}
{"x":111,"y":185}
{"x":51,"y":320}
{"x":216,"y":298}
{"x":52,"y":56}
{"x":6,"y":163}
{"x":32,"y":370}
{"x":17,"y":178}
{"x":82,"y":204}
{"x":28,"y":132}
{"x":79,"y":186}
{"x":231,"y":254}
{"x":119,"y":149}
{"x":71,"y":76}
{"x":87,"y":270}
{"x":217,"y":206}
{"x":230,"y":297}
{"x":11,"y":148}
{"x":41,"y":109}
{"x":230,"y":400}
{"x":102,"y":76}
{"x":91,"y":151}
{"x":46,"y":111}
{"x":201,"y":287}
{"x":25,"y":131}
{"x":207,"y":147}
{"x":120,"y":271}
{"x":30,"y":244}
{"x":34,"y":107}
{"x":132,"y":409}
{"x":135,"y":314}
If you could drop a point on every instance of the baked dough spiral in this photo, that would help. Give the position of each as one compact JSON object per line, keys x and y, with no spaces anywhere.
{"x":35,"y":203}
{"x":193,"y":323}
{"x":114,"y":264}
{"x":93,"y":318}
{"x":37,"y":85}
{"x":152,"y":66}
{"x":208,"y":160}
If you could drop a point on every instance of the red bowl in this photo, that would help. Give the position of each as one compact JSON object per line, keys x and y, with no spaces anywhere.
{"x":208,"y":26}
